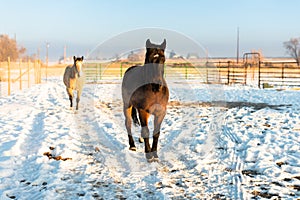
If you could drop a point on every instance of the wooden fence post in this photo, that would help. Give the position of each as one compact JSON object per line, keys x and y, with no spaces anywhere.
{"x":28,"y":73}
{"x":40,"y":71}
{"x":20,"y":67}
{"x":35,"y":72}
{"x":8,"y":75}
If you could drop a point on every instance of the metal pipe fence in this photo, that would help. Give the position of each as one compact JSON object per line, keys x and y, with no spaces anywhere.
{"x":259,"y":74}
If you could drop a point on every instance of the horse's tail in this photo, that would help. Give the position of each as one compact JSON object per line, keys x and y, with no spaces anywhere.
{"x":134,"y":116}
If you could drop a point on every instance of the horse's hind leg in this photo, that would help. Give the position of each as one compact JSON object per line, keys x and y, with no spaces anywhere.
{"x":136,"y":121}
{"x":128,"y":121}
{"x":70,"y":94}
{"x":157,"y":124}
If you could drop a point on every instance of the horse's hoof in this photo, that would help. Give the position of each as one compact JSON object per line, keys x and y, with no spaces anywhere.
{"x":150,"y":160}
{"x":154,"y":154}
{"x":155,"y":157}
{"x":141,"y":140}
{"x":132,"y":148}
{"x":149,"y":157}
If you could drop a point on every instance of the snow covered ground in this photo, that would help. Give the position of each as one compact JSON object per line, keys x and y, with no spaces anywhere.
{"x":217,"y":142}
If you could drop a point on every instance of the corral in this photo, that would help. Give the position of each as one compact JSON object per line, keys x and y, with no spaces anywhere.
{"x":262,"y":74}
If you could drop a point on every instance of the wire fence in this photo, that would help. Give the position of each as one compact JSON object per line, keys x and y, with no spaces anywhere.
{"x":18,"y":75}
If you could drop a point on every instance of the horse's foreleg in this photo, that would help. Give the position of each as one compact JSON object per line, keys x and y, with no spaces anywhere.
{"x":70,"y":93}
{"x":157,"y":124}
{"x":78,"y":98}
{"x":128,"y":121}
{"x":145,"y":133}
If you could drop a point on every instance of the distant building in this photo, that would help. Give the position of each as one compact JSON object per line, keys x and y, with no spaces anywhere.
{"x":136,"y":56}
{"x":192,"y":56}
{"x":173,"y":55}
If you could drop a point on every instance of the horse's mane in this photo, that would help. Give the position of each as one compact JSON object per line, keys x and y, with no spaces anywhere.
{"x":130,"y":68}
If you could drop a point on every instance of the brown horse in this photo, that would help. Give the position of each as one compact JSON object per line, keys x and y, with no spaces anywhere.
{"x":145,"y":90}
{"x":73,"y":80}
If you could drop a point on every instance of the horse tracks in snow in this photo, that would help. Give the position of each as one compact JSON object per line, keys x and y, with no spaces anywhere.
{"x":242,"y":146}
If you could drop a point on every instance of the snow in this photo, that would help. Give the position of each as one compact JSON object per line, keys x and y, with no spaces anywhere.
{"x":222,"y":142}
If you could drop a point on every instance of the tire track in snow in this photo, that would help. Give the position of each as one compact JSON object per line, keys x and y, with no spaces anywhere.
{"x":89,"y":168}
{"x":172,"y":159}
{"x":25,"y":153}
{"x":231,"y":153}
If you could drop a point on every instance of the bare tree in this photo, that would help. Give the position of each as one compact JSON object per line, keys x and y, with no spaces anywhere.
{"x":9,"y":48}
{"x":293,"y":48}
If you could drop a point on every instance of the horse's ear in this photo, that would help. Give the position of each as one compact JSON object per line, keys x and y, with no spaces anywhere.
{"x":74,"y":58}
{"x":81,"y":57}
{"x":163,"y":45}
{"x":148,"y":43}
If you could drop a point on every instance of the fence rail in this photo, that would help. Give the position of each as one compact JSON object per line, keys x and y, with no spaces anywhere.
{"x":18,"y":75}
{"x":247,"y":73}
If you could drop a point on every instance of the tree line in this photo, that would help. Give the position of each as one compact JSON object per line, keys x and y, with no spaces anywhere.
{"x":10,"y":48}
{"x":293,"y":48}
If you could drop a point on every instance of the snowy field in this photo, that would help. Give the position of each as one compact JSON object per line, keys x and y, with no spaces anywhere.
{"x":217,"y":142}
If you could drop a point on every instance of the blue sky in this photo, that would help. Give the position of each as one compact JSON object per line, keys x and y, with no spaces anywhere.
{"x":83,"y":24}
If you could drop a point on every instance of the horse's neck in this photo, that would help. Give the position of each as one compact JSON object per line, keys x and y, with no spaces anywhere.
{"x":74,"y":71}
{"x":148,"y":74}
{"x":74,"y":68}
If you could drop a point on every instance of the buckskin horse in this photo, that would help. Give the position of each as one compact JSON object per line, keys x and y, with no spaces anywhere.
{"x":145,"y":92}
{"x":73,"y":80}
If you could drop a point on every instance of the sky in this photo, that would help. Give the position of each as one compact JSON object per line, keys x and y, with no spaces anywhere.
{"x":82,"y":25}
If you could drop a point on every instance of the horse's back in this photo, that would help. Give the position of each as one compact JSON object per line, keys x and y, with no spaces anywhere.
{"x":132,"y":67}
{"x":132,"y":71}
{"x":130,"y":81}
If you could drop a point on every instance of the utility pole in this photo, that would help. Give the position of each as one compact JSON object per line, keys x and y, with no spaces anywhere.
{"x":238,"y":45}
{"x":65,"y":53}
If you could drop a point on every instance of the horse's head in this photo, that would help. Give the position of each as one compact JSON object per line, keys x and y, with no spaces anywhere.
{"x":78,"y":64}
{"x":155,"y":53}
{"x":154,"y":61}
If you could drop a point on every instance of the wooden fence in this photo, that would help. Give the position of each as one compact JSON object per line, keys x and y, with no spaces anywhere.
{"x":260,"y":74}
{"x":18,"y":75}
